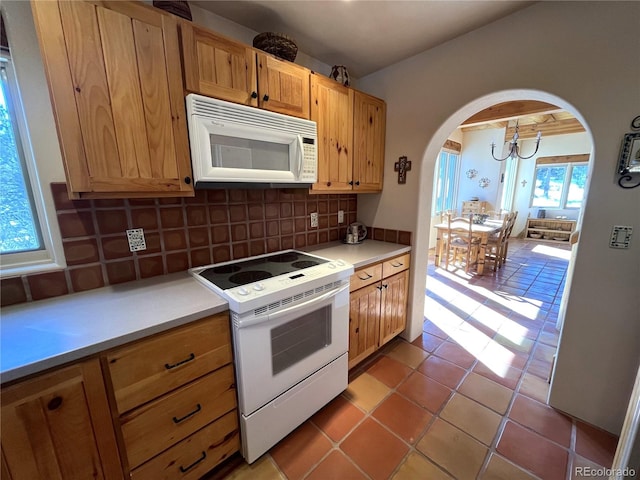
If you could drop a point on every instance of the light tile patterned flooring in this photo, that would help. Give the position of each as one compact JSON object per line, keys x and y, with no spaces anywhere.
{"x":465,"y":401}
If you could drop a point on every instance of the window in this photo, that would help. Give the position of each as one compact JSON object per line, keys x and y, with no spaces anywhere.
{"x":446,"y":181}
{"x":29,"y":243}
{"x":19,"y":226}
{"x":559,"y":185}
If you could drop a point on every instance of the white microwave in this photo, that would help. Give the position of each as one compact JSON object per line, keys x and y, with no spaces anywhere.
{"x":233,"y":144}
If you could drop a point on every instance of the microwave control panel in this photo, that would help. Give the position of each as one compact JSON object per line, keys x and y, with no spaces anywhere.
{"x":310,"y":163}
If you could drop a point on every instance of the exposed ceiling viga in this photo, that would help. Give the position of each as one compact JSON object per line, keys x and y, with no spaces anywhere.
{"x":364,"y":35}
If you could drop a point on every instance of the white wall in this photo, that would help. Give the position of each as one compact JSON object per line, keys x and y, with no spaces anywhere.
{"x":590,"y":67}
{"x":476,"y":154}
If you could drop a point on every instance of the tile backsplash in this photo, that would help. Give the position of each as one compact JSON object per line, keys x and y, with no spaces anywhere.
{"x":214,"y":226}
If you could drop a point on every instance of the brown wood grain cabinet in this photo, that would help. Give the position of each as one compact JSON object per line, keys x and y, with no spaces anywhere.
{"x":161,"y":407}
{"x":220,"y":67}
{"x":351,"y":135}
{"x":115,"y":82}
{"x":369,"y":128}
{"x":332,"y":110}
{"x":58,"y":426}
{"x":174,"y":401}
{"x":378,"y":306}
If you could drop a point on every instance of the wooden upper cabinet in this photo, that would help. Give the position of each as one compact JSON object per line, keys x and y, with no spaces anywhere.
{"x":369,"y":126}
{"x":58,"y":426}
{"x":332,"y":110}
{"x":217,"y":66}
{"x":222,"y":68}
{"x":114,"y":78}
{"x":283,"y":87}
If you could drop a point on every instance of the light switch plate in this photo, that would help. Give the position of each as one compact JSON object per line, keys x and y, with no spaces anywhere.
{"x":136,"y":240}
{"x":340,"y":216}
{"x":620,"y":236}
{"x":314,"y":220}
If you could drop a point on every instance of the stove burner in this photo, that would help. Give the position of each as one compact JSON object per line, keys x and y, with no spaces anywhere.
{"x":250,"y":276}
{"x":226,"y":269}
{"x":304,"y":264}
{"x":284,"y":257}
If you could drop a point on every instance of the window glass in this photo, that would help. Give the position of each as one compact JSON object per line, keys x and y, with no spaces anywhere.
{"x":19,"y":226}
{"x":549,"y":182}
{"x":560,"y":186}
{"x":577,"y":186}
{"x":445,"y":182}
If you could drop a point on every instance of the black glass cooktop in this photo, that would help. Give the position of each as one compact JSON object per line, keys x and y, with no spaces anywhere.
{"x":253,"y":270}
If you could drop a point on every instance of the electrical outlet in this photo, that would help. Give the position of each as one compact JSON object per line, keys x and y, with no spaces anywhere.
{"x":340,"y":216}
{"x":314,"y":220}
{"x":136,"y":240}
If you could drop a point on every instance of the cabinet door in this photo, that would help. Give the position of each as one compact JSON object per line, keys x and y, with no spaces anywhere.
{"x":283,"y":86}
{"x":393,"y":311}
{"x":58,"y":426}
{"x":332,"y":109}
{"x":114,"y":77}
{"x":217,"y":66}
{"x":364,"y":322}
{"x":369,"y":126}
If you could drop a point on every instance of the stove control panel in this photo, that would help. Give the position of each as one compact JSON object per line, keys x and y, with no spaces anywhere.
{"x":271,"y":288}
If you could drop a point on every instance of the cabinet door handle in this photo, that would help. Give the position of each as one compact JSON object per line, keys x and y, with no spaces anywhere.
{"x":54,"y":403}
{"x":379,"y":287}
{"x":177,"y":420}
{"x":351,"y":183}
{"x":169,"y":367}
{"x":265,"y":98}
{"x":203,"y":455}
{"x":367,"y":276}
{"x":254,"y":94}
{"x":398,"y":265}
{"x":385,"y":286}
{"x":357,"y":183}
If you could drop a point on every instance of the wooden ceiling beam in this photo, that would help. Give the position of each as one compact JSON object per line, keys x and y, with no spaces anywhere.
{"x":557,"y":127}
{"x":510,"y":110}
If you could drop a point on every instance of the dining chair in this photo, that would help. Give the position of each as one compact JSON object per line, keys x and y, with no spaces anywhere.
{"x":496,"y":244}
{"x":461,"y":243}
{"x":510,"y":223}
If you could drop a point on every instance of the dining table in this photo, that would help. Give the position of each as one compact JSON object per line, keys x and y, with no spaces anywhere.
{"x":482,"y":230}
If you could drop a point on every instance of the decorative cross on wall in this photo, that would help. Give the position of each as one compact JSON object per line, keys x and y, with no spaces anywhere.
{"x":402,"y":166}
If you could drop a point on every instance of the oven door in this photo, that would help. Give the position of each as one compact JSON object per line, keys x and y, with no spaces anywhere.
{"x":276,"y":351}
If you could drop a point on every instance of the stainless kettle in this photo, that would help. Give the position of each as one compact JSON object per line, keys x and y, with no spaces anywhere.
{"x":356,"y":233}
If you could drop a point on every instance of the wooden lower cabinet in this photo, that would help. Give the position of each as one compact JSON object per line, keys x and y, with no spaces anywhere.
{"x":378,"y":306}
{"x":164,"y":407}
{"x":174,"y":401}
{"x":58,"y":426}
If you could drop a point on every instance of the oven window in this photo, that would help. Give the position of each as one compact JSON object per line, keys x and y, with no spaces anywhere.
{"x":296,"y":340}
{"x":233,"y":152}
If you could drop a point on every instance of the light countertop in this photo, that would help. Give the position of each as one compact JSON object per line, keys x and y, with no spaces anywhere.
{"x":359,"y":255}
{"x":35,"y":336}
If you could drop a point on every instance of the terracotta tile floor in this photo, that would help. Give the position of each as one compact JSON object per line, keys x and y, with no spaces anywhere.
{"x":464,"y":401}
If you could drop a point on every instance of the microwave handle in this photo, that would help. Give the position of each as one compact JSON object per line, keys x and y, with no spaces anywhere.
{"x":300,"y":156}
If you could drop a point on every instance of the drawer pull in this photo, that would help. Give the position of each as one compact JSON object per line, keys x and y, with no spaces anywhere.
{"x":398,"y":265}
{"x":367,"y":276}
{"x":189,"y":467}
{"x":169,"y":367}
{"x":190,"y":414}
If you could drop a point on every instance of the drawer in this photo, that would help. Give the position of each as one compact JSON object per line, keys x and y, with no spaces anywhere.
{"x":154,"y":366}
{"x":195,"y":455}
{"x":156,"y":426}
{"x":396,"y":265}
{"x":366,"y":276}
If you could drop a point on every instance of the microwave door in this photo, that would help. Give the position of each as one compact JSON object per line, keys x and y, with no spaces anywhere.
{"x":245,"y":154}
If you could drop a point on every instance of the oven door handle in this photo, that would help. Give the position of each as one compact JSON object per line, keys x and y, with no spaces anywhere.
{"x":269,"y":316}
